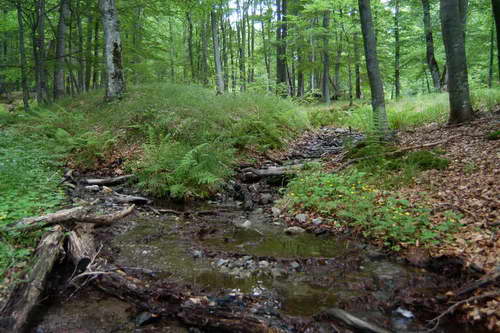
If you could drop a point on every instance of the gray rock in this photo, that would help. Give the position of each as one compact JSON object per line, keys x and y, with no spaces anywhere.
{"x":277,"y":272}
{"x":93,"y":188}
{"x":197,"y":254}
{"x":266,"y":198}
{"x":295,"y":265}
{"x":222,"y":262}
{"x":263,"y":264}
{"x":259,"y":211}
{"x":317,"y":221}
{"x":301,"y":218}
{"x":247,"y":224}
{"x":246,"y":258}
{"x":294,"y":230}
{"x":276,"y":211}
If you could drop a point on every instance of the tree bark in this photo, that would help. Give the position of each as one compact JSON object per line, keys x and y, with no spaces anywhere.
{"x":27,"y":295}
{"x":40,"y":53}
{"x":115,"y":80}
{"x":22,"y":53}
{"x":397,"y":51}
{"x":454,"y":42}
{"x":372,"y":65}
{"x":97,"y":67}
{"x":88,"y":52}
{"x":492,"y":51}
{"x":495,"y":5}
{"x":281,"y":34}
{"x":357,"y":69}
{"x":190,"y":45}
{"x":62,"y":27}
{"x":429,"y":43}
{"x":326,"y":59}
{"x":217,"y":56}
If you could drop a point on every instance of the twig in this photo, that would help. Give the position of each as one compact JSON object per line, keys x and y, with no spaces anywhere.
{"x":457,"y":304}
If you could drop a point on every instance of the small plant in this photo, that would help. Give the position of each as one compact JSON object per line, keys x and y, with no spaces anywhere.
{"x":495,"y":135}
{"x":350,"y":199}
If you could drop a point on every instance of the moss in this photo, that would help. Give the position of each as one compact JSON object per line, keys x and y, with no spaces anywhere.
{"x":495,"y":135}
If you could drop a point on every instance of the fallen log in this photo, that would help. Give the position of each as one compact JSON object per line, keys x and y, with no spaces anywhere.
{"x":108,"y":181}
{"x":194,"y":311}
{"x":81,"y":247}
{"x":27,"y":294}
{"x":354,"y":322}
{"x":73,"y":215}
{"x":131,"y":199}
{"x":280,"y":171}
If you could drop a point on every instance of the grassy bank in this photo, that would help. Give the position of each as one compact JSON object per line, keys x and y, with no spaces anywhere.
{"x":408,"y":112}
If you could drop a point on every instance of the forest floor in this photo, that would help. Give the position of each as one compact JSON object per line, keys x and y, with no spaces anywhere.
{"x":468,"y":186}
{"x":459,"y":267}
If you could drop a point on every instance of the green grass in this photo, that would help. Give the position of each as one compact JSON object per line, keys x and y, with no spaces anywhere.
{"x":405,"y":113}
{"x":189,"y":137}
{"x":29,"y":181}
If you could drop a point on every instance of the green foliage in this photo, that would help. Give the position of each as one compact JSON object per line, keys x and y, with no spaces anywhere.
{"x":350,"y":199}
{"x":189,"y":135}
{"x":28,"y":187}
{"x":407,"y":112}
{"x":495,"y":135}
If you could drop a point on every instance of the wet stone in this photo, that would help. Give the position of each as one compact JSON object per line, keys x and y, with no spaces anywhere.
{"x":317,"y":221}
{"x":301,"y":218}
{"x":294,"y":230}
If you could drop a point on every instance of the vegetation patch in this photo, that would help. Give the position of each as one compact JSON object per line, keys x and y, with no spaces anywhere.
{"x":29,"y":186}
{"x":351,"y":200}
{"x":190,"y":137}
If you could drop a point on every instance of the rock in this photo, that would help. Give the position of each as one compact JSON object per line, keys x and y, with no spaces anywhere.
{"x":197,"y":254}
{"x":259,"y":211}
{"x":145,"y":318}
{"x":222,"y":262}
{"x":93,"y":188}
{"x":277,"y":272}
{"x":247,"y":224}
{"x":246,"y":258}
{"x":276,"y":211}
{"x":301,"y":218}
{"x":294,"y":230}
{"x":317,"y":221}
{"x":266,"y":198}
{"x":295,"y":265}
{"x":106,"y":189}
{"x":263,"y":264}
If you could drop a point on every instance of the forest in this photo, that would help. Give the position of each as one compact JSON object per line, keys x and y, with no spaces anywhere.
{"x":249,"y":166}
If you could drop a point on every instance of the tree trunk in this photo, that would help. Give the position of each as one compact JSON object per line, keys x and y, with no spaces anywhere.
{"x":62,"y":27}
{"x":281,"y":33}
{"x":429,"y":43}
{"x":266,"y":51}
{"x":454,"y":42}
{"x":190,"y":46}
{"x":88,"y":52}
{"x":218,"y":63}
{"x":81,"y":63}
{"x":115,"y":81}
{"x":495,"y":5}
{"x":96,"y":71}
{"x":492,"y":51}
{"x":326,"y":59}
{"x":40,"y":53}
{"x":397,"y":51}
{"x":357,"y":65}
{"x":204,"y":51}
{"x":22,"y":53}
{"x":372,"y":65}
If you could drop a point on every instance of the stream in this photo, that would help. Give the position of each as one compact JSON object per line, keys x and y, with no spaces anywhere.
{"x":233,"y":251}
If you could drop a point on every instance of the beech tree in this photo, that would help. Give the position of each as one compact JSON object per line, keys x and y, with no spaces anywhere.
{"x":372,"y":65}
{"x":115,"y":81}
{"x":452,"y":23}
{"x":495,"y":6}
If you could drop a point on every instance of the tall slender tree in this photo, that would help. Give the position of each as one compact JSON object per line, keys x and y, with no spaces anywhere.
{"x":372,"y":65}
{"x":115,"y":80}
{"x":62,"y":27}
{"x":326,"y":59}
{"x":217,"y":56}
{"x":454,"y":42}
{"x":495,"y":6}
{"x":429,"y":44}
{"x":22,"y":52}
{"x":397,"y":50}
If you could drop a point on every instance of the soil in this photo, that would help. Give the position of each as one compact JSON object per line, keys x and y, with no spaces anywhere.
{"x":237,"y":250}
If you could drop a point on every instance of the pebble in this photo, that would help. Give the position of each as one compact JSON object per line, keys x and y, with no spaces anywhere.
{"x":266,"y":198}
{"x":197,"y":254}
{"x":94,"y":188}
{"x":263,"y":264}
{"x":247,"y":224}
{"x":222,"y":262}
{"x":301,"y":218}
{"x":276,"y":211}
{"x":294,"y":230}
{"x":317,"y":221}
{"x":295,"y":265}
